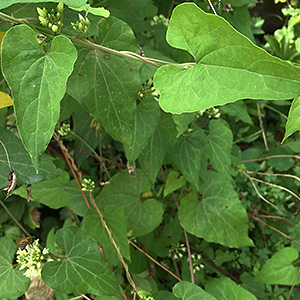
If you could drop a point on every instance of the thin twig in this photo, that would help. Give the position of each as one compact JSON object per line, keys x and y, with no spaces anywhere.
{"x":272,"y":156}
{"x":268,"y":174}
{"x":7,"y":156}
{"x":115,"y":245}
{"x":212,"y":7}
{"x":273,"y":228}
{"x":262,"y":126}
{"x":156,"y":262}
{"x":256,"y":190}
{"x":15,"y":220}
{"x":189,"y":256}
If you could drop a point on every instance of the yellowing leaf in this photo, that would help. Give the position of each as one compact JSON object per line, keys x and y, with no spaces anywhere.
{"x":2,"y":34}
{"x":5,"y":99}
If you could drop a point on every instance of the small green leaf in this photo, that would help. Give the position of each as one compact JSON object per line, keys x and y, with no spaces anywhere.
{"x":124,"y":192}
{"x":21,"y":162}
{"x":83,"y":270}
{"x":182,"y":122}
{"x":38,"y":83}
{"x":164,"y":137}
{"x":13,"y":283}
{"x":279,"y":268}
{"x":225,"y":289}
{"x":239,"y":110}
{"x":187,"y":153}
{"x":217,"y":216}
{"x":218,"y":145}
{"x":173,"y":182}
{"x":228,"y":67}
{"x":146,"y":120}
{"x":188,"y":291}
{"x":293,"y":123}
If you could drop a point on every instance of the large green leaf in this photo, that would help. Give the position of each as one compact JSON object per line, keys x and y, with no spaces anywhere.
{"x":21,"y":163}
{"x":187,"y":153}
{"x":13,"y":283}
{"x":163,"y":138}
{"x":146,"y":120}
{"x":83,"y":270}
{"x":228,"y":67}
{"x":293,"y":122}
{"x":225,"y":289}
{"x":279,"y":268}
{"x":188,"y":291}
{"x":75,"y":3}
{"x":218,"y":145}
{"x":38,"y":83}
{"x":107,"y":85}
{"x":124,"y":191}
{"x":218,"y":216}
{"x":116,"y":222}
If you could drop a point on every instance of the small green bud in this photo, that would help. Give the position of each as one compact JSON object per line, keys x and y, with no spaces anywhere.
{"x":81,"y":27}
{"x":59,"y":23}
{"x":43,"y":21}
{"x":41,"y":12}
{"x":50,"y":25}
{"x":60,"y":7}
{"x":87,"y":22}
{"x":81,"y":18}
{"x":58,"y":15}
{"x":54,"y":28}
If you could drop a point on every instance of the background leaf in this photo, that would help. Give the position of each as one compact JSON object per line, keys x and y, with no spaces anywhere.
{"x":75,"y":3}
{"x":124,"y":192}
{"x":293,"y":123}
{"x":279,"y":268}
{"x":228,"y":66}
{"x":218,"y":216}
{"x":90,"y":272}
{"x":38,"y":83}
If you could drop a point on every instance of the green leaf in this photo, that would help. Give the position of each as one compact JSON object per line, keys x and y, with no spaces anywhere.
{"x":279,"y":268}
{"x":107,"y":85}
{"x":137,"y":13}
{"x":173,"y":182}
{"x":116,"y":222}
{"x":293,"y":123}
{"x":228,"y":67}
{"x":239,"y":110}
{"x":124,"y":192}
{"x":218,"y":145}
{"x":75,"y":3}
{"x":225,"y":289}
{"x":38,"y":83}
{"x":187,"y":154}
{"x":146,"y":120}
{"x":188,"y":291}
{"x":97,"y":11}
{"x":164,"y":137}
{"x":217,"y":216}
{"x":182,"y":122}
{"x":13,"y":283}
{"x":83,"y":270}
{"x":21,"y":163}
{"x":50,"y":192}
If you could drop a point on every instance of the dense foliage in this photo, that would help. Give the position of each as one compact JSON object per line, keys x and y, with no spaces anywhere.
{"x":151,"y":151}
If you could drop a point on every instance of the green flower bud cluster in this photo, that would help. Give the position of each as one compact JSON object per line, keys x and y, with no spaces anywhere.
{"x":88,"y":185}
{"x":196,"y":260}
{"x":64,"y":129}
{"x":161,"y":19}
{"x":177,"y":251}
{"x":82,"y":25}
{"x":148,"y":89}
{"x":32,"y":257}
{"x":212,"y":113}
{"x":52,"y":19}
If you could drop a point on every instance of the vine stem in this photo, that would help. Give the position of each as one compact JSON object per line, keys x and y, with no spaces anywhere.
{"x":115,"y":245}
{"x":262,"y":126}
{"x":7,"y":157}
{"x":15,"y":220}
{"x":272,"y":156}
{"x":212,"y":7}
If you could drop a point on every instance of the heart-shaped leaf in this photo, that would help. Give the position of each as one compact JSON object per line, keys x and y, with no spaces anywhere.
{"x":218,"y":216}
{"x":38,"y":83}
{"x":13,"y":283}
{"x":227,"y":67}
{"x":83,"y":270}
